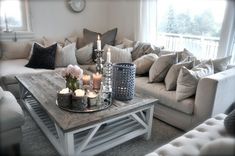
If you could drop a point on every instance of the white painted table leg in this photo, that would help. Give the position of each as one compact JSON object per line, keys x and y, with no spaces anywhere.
{"x":149,"y":118}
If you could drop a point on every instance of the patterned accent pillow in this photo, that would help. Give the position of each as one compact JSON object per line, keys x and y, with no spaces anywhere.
{"x":118,"y":55}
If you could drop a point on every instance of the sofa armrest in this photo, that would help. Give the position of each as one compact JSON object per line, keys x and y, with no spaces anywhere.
{"x":215,"y":93}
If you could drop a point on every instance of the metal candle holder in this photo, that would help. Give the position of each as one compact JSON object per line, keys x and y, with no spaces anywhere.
{"x":99,"y":61}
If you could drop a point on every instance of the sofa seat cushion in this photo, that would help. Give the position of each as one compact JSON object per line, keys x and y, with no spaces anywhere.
{"x":11,"y":115}
{"x":191,"y":142}
{"x":167,"y":98}
{"x":10,"y":68}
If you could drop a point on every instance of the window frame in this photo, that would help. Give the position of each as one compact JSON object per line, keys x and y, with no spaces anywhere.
{"x":26,"y":26}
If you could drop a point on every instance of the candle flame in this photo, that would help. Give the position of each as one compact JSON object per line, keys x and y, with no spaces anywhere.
{"x":98,"y":37}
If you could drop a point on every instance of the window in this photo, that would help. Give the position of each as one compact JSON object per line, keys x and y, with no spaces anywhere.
{"x":13,"y":15}
{"x":191,"y":24}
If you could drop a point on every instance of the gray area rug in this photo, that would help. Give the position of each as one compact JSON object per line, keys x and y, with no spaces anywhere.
{"x":35,"y":143}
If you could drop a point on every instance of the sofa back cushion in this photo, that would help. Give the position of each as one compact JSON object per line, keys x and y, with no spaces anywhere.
{"x":15,"y":50}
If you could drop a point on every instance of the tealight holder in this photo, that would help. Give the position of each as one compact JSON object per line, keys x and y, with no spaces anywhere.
{"x":91,"y":99}
{"x":79,"y":100}
{"x":64,"y":99}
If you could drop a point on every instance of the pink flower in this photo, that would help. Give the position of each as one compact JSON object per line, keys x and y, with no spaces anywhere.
{"x":74,"y":72}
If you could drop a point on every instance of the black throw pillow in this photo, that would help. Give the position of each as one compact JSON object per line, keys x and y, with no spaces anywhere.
{"x":229,"y":123}
{"x":108,"y":37}
{"x":43,"y":57}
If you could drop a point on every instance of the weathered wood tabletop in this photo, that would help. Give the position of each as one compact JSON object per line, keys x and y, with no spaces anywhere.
{"x":44,"y":87}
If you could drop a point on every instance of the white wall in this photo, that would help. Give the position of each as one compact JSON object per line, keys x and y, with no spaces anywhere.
{"x":54,"y":18}
{"x":123,"y":15}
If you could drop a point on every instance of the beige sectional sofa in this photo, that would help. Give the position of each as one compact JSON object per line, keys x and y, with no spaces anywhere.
{"x":214,"y":93}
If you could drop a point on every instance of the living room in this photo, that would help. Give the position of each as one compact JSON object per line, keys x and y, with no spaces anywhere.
{"x":164,"y":70}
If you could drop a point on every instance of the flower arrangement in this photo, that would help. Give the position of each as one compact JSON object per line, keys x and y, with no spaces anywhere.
{"x":72,"y":74}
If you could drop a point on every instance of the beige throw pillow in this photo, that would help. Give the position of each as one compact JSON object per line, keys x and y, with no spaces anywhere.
{"x":84,"y":54}
{"x":144,"y":63}
{"x":173,"y":73}
{"x":118,"y":55}
{"x":221,"y":63}
{"x":160,"y":67}
{"x":188,"y":79}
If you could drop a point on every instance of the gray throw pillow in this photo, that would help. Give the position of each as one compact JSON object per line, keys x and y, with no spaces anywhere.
{"x":188,"y":79}
{"x":84,"y":54}
{"x":221,"y":63}
{"x":229,"y":123}
{"x":118,"y":55}
{"x":141,"y":49}
{"x":173,"y":73}
{"x":144,"y":63}
{"x":181,"y":55}
{"x":106,"y":38}
{"x":160,"y":67}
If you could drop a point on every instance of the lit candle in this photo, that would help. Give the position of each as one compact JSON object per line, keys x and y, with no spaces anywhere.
{"x":64,"y":91}
{"x":109,"y":56}
{"x":96,"y":81}
{"x":91,"y":99}
{"x":86,"y":79}
{"x":79,"y":92}
{"x":98,"y":43}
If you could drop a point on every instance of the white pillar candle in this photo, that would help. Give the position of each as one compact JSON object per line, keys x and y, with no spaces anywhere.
{"x":108,"y":56}
{"x":98,"y":43}
{"x":79,"y":92}
{"x":64,"y":91}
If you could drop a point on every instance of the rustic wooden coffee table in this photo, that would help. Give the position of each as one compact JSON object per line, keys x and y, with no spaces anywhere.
{"x":83,"y":133}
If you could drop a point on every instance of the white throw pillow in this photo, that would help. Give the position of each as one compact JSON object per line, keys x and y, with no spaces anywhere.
{"x":160,"y":67}
{"x":66,"y":55}
{"x":144,"y":63}
{"x":188,"y":79}
{"x":84,"y":54}
{"x":118,"y":55}
{"x":173,"y":73}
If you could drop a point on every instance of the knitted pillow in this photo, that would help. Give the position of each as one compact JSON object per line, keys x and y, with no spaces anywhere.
{"x":229,"y":123}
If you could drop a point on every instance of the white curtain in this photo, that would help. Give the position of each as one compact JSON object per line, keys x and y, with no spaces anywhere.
{"x":146,"y":22}
{"x":227,"y":36}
